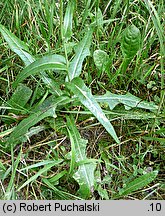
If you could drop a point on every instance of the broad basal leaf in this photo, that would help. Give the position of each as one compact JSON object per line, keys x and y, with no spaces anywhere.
{"x":129,"y":101}
{"x":56,"y":62}
{"x":25,"y":124}
{"x":138,"y":183}
{"x":38,"y":114}
{"x":131,"y":41}
{"x":81,"y":52}
{"x":84,"y":94}
{"x":17,"y":46}
{"x":85,"y":174}
{"x":22,"y":92}
{"x":101,"y":59}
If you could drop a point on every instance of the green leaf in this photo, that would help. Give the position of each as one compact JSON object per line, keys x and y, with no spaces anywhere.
{"x":17,"y":46}
{"x":73,"y":151}
{"x":21,"y":49}
{"x":53,"y":86}
{"x":36,"y":165}
{"x":85,"y":174}
{"x":84,"y":94}
{"x":40,"y":172}
{"x":20,"y":97}
{"x":68,"y":18}
{"x":59,"y":194}
{"x":99,"y":19}
{"x":101,"y":59}
{"x":34,"y":131}
{"x":25,"y":124}
{"x":56,"y":62}
{"x":81,"y":52}
{"x":2,"y":167}
{"x":103,"y":193}
{"x":138,"y":183}
{"x":56,"y":177}
{"x":40,"y":113}
{"x":157,"y":23}
{"x":128,"y":100}
{"x":9,"y":190}
{"x":131,"y":41}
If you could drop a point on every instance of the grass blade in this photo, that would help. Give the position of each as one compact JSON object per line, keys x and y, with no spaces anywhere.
{"x":56,"y":62}
{"x":159,"y":28}
{"x":78,"y":87}
{"x":40,"y":172}
{"x":73,"y":153}
{"x":9,"y":191}
{"x":42,"y":163}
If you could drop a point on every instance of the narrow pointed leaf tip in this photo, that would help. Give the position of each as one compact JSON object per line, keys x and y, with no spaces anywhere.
{"x":56,"y":62}
{"x":67,"y":28}
{"x":17,"y":46}
{"x":81,"y":52}
{"x":138,"y":183}
{"x":83,"y":93}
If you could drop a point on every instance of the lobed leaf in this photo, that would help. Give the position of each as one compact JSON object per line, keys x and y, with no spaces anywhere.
{"x":129,"y":101}
{"x":85,"y":174}
{"x":83,"y":93}
{"x":25,"y":124}
{"x":45,"y":110}
{"x":56,"y":62}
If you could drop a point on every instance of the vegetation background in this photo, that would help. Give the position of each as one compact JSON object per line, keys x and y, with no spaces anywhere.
{"x":82,"y":99}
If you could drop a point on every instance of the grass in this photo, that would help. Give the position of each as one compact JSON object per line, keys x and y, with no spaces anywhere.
{"x":75,"y":122}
